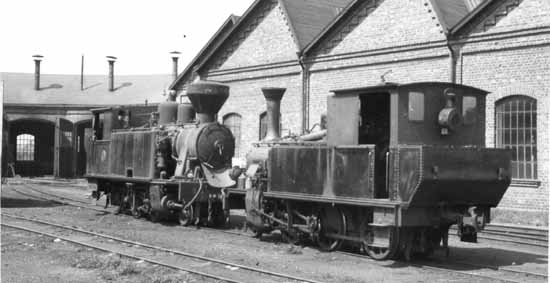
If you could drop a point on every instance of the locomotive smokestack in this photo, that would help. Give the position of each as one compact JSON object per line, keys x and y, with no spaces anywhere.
{"x":207,"y":99}
{"x":273,"y":98}
{"x":37,"y":59}
{"x":111,"y":60}
{"x":175,"y":57}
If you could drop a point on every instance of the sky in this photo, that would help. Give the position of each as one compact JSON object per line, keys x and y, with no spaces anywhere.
{"x":139,"y":33}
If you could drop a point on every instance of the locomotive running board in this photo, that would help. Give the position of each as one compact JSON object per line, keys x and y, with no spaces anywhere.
{"x":339,"y":200}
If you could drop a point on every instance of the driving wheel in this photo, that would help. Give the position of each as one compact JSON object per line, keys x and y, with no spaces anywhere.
{"x":331,"y":222}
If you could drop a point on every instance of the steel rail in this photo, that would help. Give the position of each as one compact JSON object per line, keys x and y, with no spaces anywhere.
{"x":182,"y":253}
{"x":121,"y":253}
{"x":480,"y":236}
{"x":442,"y":269}
{"x":59,"y":202}
{"x":356,"y":255}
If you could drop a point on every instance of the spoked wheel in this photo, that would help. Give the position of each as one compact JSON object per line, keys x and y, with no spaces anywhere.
{"x":186,"y":216}
{"x":383,"y":252}
{"x":331,"y":222}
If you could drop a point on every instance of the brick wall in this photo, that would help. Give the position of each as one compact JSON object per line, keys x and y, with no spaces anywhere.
{"x":507,"y":53}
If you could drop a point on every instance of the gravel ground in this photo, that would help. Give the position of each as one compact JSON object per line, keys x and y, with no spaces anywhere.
{"x":269,"y":253}
{"x":27,"y":257}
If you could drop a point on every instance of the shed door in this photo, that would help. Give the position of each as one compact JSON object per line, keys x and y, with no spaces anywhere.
{"x":64,"y":150}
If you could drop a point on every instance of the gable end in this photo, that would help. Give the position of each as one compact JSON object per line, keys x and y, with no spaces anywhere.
{"x":234,"y":41}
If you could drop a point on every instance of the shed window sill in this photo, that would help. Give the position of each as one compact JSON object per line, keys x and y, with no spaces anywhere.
{"x":525,"y":183}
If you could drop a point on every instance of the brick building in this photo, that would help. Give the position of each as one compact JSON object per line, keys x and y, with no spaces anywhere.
{"x":311,"y":47}
{"x":47,"y":118}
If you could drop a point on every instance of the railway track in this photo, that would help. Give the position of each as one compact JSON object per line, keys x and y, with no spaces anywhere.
{"x":523,"y":235}
{"x":504,"y":274}
{"x":204,"y":266}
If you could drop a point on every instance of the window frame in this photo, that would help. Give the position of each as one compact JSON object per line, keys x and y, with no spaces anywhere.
{"x":236,"y":129}
{"x":512,"y":119}
{"x":417,"y":115}
{"x":22,"y":140}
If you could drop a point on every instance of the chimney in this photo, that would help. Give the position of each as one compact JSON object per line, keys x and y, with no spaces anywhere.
{"x":37,"y":59}
{"x":111,"y":60}
{"x":273,"y":96}
{"x":207,"y":99}
{"x":175,"y":57}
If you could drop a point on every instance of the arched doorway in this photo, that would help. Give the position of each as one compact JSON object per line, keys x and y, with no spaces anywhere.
{"x":31,"y":144}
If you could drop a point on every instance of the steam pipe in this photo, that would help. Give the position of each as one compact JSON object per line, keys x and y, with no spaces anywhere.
{"x":273,"y":98}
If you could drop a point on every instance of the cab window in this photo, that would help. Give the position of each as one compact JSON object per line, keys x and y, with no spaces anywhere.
{"x":416,"y":106}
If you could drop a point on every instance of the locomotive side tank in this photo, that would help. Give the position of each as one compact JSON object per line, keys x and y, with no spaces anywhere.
{"x":400,"y":165}
{"x":172,"y":166}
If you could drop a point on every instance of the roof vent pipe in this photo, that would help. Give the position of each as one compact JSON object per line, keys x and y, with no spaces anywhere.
{"x":175,"y":57}
{"x":273,"y":96}
{"x":111,"y":60}
{"x":37,"y":59}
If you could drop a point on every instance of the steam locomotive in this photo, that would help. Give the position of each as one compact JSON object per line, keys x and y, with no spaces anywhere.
{"x":394,"y":168}
{"x":172,"y":166}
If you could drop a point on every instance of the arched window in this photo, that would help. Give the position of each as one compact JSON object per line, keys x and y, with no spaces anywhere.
{"x":263,"y":125}
{"x":233,"y":122}
{"x":25,"y":147}
{"x":516,"y":129}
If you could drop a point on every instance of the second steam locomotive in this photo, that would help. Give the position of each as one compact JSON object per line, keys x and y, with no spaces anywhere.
{"x":173,"y":166}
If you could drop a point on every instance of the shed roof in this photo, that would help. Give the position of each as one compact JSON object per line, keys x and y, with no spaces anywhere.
{"x":451,"y":12}
{"x":309,"y":17}
{"x":65,"y":89}
{"x":306,"y":17}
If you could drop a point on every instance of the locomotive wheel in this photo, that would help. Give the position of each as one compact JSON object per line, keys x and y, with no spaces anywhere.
{"x":186,"y":216}
{"x":136,"y":202}
{"x":383,"y":253}
{"x":331,"y":220}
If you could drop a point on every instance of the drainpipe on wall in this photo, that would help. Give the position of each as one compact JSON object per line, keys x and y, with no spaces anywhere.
{"x":452,"y":62}
{"x":305,"y":93}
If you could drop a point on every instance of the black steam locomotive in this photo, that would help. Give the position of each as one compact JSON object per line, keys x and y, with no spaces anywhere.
{"x":174,"y":165}
{"x":399,"y":165}
{"x":396,"y":166}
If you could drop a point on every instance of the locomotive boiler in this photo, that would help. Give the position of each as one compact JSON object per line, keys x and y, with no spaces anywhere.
{"x":399,"y":164}
{"x":175,"y":165}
